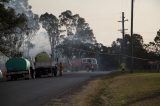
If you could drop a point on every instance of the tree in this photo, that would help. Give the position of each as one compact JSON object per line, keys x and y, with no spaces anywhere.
{"x":157,"y":43}
{"x":12,"y":29}
{"x":17,"y":23}
{"x":29,"y":46}
{"x":4,"y":1}
{"x":79,"y":36}
{"x":138,"y":50}
{"x":66,"y":20}
{"x":154,"y":46}
{"x":51,"y":24}
{"x":22,"y":7}
{"x":84,"y":33}
{"x":76,"y":27}
{"x":150,"y":47}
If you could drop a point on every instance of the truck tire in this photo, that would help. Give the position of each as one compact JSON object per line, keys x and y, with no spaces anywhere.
{"x":27,"y":76}
{"x":55,"y":73}
{"x":37,"y":74}
{"x":13,"y":77}
{"x":33,"y":75}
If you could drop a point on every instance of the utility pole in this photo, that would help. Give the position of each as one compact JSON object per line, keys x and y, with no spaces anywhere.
{"x":123,"y":34}
{"x":132,"y":10}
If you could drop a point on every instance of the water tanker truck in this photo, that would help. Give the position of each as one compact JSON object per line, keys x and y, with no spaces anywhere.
{"x":43,"y":65}
{"x":18,"y":67}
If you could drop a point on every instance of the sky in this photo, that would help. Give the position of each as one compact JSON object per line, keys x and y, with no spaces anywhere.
{"x":103,"y":16}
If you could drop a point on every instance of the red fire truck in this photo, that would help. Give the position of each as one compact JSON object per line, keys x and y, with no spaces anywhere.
{"x":89,"y":64}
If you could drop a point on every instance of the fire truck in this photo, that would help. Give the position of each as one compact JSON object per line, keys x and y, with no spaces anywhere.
{"x":88,"y":64}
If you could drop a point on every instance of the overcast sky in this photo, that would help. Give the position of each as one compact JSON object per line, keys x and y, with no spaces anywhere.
{"x":102,"y":15}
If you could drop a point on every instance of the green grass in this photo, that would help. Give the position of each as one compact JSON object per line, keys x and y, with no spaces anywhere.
{"x":136,"y":89}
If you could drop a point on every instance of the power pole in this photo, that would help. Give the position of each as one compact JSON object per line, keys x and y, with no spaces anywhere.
{"x":123,"y":34}
{"x":132,"y":10}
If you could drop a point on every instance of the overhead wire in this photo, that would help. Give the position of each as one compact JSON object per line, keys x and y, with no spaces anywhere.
{"x":113,"y":54}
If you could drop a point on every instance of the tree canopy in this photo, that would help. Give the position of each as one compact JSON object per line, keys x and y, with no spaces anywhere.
{"x":12,"y":28}
{"x":76,"y":27}
{"x":51,"y":24}
{"x":16,"y":26}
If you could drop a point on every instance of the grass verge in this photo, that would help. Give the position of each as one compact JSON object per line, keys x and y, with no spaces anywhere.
{"x":121,"y":89}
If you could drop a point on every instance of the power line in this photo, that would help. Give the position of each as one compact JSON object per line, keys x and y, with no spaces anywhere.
{"x":138,"y":58}
{"x":111,"y":54}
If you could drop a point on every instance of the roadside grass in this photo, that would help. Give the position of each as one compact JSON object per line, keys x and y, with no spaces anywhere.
{"x":121,"y":89}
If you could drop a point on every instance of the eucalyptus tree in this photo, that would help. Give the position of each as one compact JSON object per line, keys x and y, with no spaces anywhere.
{"x":17,"y":24}
{"x":139,"y":50}
{"x":78,"y":35}
{"x":51,"y":24}
{"x":150,"y":47}
{"x":22,"y":7}
{"x":11,"y":25}
{"x":154,"y":46}
{"x":84,"y":32}
{"x":157,"y":43}
{"x":66,"y":20}
{"x":76,"y":27}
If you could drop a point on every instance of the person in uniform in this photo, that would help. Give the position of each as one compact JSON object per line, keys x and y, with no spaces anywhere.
{"x":55,"y":70}
{"x":60,"y":69}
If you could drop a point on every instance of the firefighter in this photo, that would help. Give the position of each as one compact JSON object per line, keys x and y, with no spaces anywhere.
{"x":32,"y":73}
{"x":60,"y":69}
{"x":123,"y":67}
{"x":55,"y":70}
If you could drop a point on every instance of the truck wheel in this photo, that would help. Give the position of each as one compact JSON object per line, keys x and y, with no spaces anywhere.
{"x":37,"y":74}
{"x":55,"y":73}
{"x":15,"y":78}
{"x":11,"y":78}
{"x":33,"y":75}
{"x":27,"y":76}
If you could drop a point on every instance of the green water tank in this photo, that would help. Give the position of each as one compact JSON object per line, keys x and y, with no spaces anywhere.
{"x":17,"y":64}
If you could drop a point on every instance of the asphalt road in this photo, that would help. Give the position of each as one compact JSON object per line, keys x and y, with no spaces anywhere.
{"x":37,"y":92}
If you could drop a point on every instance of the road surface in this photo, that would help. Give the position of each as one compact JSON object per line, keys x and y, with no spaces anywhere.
{"x":37,"y":92}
